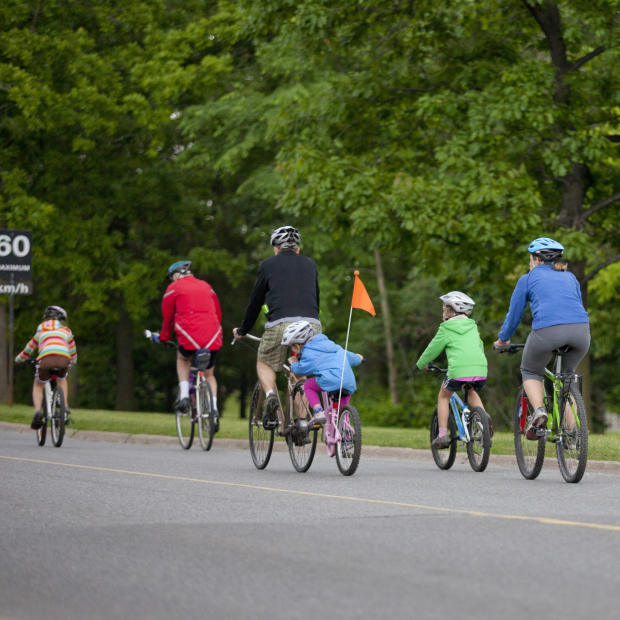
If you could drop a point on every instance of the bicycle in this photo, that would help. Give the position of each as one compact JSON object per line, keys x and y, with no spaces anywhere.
{"x":567,"y":424}
{"x":201,"y":411}
{"x":301,"y":438}
{"x":470,"y":425}
{"x":54,"y":410}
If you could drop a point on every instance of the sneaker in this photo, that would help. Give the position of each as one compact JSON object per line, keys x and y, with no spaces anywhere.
{"x":441,"y":442}
{"x":538,"y":421}
{"x":570,"y":440}
{"x":182,"y":405}
{"x":67,"y":416}
{"x":331,"y":450}
{"x":317,"y":419}
{"x":37,"y":421}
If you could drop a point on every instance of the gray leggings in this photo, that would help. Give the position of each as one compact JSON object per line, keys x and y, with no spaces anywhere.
{"x":541,"y":342}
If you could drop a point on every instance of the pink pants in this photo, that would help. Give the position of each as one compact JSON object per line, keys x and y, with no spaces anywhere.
{"x":313,"y":391}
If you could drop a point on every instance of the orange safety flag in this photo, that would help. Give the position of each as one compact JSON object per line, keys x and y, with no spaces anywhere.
{"x":361,"y":299}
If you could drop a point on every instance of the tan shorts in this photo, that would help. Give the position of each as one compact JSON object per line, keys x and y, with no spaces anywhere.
{"x":50,"y":362}
{"x":270,"y":351}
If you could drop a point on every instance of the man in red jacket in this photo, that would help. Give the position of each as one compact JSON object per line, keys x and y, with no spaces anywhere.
{"x":191,"y":310}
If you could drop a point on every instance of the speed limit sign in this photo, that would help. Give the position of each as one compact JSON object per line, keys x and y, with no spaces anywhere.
{"x":15,"y":262}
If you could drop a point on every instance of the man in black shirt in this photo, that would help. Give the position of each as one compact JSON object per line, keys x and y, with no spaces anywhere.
{"x":288,"y":284}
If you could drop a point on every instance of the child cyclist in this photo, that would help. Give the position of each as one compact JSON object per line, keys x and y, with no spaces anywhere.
{"x":56,"y":349}
{"x":322,"y":360}
{"x":467,"y":364}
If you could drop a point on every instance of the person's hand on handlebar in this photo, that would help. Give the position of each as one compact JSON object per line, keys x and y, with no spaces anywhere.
{"x":152,"y":336}
{"x":236,"y":334}
{"x":501,"y":345}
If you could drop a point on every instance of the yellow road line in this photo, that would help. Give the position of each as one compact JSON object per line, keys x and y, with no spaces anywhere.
{"x":349,"y":498}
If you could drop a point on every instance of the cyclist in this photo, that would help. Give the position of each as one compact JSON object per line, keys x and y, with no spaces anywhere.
{"x":56,"y":349}
{"x":316,"y":355}
{"x":192,"y":310}
{"x":558,"y":319}
{"x":288,"y":284}
{"x":467,"y":364}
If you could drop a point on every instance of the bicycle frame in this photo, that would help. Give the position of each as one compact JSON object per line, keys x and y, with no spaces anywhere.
{"x":560,"y":385}
{"x":461,"y":412}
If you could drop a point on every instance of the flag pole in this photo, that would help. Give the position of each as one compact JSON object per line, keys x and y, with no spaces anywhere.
{"x":346,"y":345}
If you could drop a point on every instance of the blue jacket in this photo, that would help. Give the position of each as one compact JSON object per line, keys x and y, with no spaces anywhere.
{"x":554,"y":297}
{"x":323,"y":358}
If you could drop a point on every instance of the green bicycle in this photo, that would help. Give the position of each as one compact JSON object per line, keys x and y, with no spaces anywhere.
{"x":567,"y":425}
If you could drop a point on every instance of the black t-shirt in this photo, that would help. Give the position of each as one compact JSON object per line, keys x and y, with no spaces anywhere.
{"x":289,"y":284}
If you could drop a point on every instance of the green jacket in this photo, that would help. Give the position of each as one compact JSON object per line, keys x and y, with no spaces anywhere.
{"x":461,"y":340}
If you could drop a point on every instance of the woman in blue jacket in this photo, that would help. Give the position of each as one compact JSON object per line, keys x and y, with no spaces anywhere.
{"x":558,"y":319}
{"x":326,"y":364}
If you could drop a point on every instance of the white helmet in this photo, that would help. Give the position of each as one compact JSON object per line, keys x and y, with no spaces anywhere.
{"x":459,"y":302}
{"x":298,"y":332}
{"x":285,"y":237}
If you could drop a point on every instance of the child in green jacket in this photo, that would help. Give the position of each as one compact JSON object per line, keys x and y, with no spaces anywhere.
{"x":467,"y":364}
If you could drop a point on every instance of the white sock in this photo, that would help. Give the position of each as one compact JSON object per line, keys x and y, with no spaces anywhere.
{"x":270,"y":392}
{"x":184,"y":389}
{"x":215,"y":403}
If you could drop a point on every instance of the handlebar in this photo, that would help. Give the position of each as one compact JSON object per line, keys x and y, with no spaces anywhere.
{"x":511,"y":348}
{"x":432,"y":368}
{"x":248,"y":336}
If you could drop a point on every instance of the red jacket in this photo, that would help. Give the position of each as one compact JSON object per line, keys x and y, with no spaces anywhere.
{"x":191,"y":308}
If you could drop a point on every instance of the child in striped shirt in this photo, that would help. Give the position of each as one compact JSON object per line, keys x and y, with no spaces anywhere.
{"x":56,"y":349}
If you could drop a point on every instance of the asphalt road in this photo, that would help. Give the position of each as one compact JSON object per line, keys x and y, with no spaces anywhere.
{"x":109,"y":530}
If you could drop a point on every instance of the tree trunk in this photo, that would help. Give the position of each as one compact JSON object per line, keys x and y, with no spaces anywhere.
{"x":387,"y":328}
{"x":124,"y":360}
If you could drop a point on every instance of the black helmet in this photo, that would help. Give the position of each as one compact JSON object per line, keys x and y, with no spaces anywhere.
{"x":55,"y":312}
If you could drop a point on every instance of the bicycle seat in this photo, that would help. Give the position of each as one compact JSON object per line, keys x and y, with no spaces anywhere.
{"x":561,"y":350}
{"x":334,"y":395}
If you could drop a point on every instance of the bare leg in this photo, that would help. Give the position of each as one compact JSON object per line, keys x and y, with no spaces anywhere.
{"x":534,"y":390}
{"x":443,"y":407}
{"x":211,"y":380}
{"x":64,"y":386}
{"x":473,"y":399}
{"x":37,"y":395}
{"x":183,"y":365}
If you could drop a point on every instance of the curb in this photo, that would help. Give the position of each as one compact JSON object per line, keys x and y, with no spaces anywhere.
{"x":503,"y":460}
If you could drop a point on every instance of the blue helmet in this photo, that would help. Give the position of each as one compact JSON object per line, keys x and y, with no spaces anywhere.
{"x":545,"y":248}
{"x":181,"y":266}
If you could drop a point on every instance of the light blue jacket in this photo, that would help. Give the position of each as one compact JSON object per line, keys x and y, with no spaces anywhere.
{"x":554,"y":297}
{"x":323,"y":358}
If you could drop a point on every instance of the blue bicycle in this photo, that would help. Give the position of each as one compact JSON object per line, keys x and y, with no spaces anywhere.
{"x":470,"y":425}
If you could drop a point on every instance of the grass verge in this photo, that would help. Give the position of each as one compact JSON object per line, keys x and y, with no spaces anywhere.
{"x":601,"y":447}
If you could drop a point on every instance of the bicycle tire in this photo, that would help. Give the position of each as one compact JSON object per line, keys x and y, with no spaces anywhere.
{"x":479,"y":444}
{"x":57,"y":423}
{"x":444,"y":457}
{"x":186,"y":425}
{"x":301,"y":440}
{"x":206,"y":423}
{"x":261,"y":439}
{"x":530,"y":453}
{"x":349,"y":448}
{"x":42,"y":432}
{"x":573,"y":461}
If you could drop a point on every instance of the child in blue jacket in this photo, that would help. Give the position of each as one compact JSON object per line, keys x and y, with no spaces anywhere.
{"x":317,"y":357}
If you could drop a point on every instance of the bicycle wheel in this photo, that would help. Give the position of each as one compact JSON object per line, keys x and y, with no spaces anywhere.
{"x":349,"y":448}
{"x":261,"y":439}
{"x":301,"y":440}
{"x":185,"y":424}
{"x":530,"y":453}
{"x":206,"y":424}
{"x":572,"y":444}
{"x":42,"y":432}
{"x":444,"y":457}
{"x":57,"y":423}
{"x":479,"y":444}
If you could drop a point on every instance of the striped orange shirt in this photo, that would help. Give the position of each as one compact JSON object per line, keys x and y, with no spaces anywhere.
{"x":51,"y":338}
